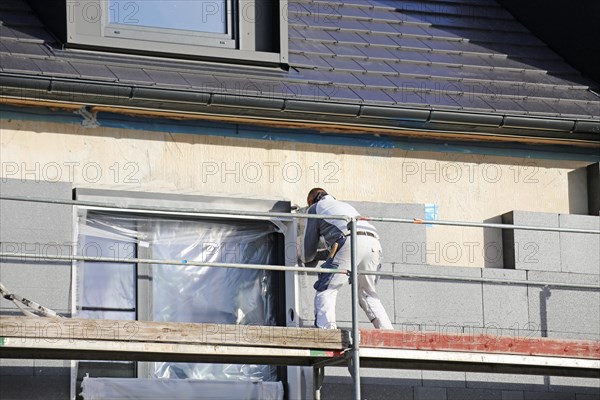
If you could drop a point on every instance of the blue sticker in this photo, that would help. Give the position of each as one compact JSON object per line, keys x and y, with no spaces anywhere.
{"x":431,"y":213}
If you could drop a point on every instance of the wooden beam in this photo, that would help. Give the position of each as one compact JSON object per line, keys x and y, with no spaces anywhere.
{"x":319,"y":126}
{"x":434,"y":341}
{"x":478,"y":362}
{"x":50,"y":329}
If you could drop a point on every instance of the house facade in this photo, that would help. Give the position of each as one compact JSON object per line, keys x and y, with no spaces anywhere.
{"x":447,"y":110}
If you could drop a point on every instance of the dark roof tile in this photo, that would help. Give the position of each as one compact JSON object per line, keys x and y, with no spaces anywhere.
{"x":346,"y":50}
{"x":378,"y":27}
{"x":348,"y":37}
{"x":202,"y":82}
{"x":374,"y":80}
{"x":377,"y":52}
{"x":94,"y":71}
{"x":167,"y":78}
{"x":312,"y":61}
{"x":19,"y":65}
{"x":377,"y":66}
{"x":346,"y":64}
{"x":343,"y":78}
{"x":26,"y":48}
{"x":413,"y":30}
{"x":338,"y":92}
{"x":131,"y":75}
{"x":56,"y":68}
{"x":407,"y":97}
{"x":373,"y":95}
{"x":305,"y":46}
{"x":377,"y":39}
{"x":314,"y":34}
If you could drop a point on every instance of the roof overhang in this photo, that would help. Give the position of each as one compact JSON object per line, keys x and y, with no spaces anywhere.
{"x":324,"y":116}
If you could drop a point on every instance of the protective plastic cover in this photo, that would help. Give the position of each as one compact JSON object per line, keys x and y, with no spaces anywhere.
{"x":155,"y":389}
{"x":180,"y":293}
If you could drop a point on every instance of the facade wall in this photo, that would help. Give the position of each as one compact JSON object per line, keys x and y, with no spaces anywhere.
{"x":39,"y":229}
{"x":381,"y":182}
{"x":469,"y":187}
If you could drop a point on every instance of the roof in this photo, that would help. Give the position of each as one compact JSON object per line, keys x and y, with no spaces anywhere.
{"x":465,"y":65}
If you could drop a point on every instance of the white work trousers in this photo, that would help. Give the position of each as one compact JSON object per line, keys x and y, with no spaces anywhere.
{"x":368,"y":258}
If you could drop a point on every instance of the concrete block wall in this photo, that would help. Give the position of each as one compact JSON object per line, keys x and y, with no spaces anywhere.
{"x":551,"y":251}
{"x":523,"y":310}
{"x":41,"y":229}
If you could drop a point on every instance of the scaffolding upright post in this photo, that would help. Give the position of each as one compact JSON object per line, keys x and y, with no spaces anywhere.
{"x":355,"y":332}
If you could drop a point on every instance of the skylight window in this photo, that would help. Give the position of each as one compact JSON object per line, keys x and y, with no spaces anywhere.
{"x":197,"y":16}
{"x":245,"y":30}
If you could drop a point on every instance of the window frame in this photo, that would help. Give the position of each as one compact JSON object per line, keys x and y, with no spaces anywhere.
{"x":169,"y":35}
{"x":257,"y":34}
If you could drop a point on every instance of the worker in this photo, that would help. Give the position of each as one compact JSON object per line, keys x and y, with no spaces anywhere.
{"x":336,"y":235}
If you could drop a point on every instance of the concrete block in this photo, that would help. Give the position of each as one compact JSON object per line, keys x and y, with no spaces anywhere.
{"x":400,"y":377}
{"x":577,"y":385}
{"x":57,"y":300}
{"x":440,"y":304}
{"x":531,"y":250}
{"x":35,"y":387}
{"x":336,"y":391}
{"x":43,"y":275}
{"x":548,"y":396}
{"x":438,"y":270}
{"x":32,"y":188}
{"x":430,"y":393}
{"x":505,"y":306}
{"x":11,"y":367}
{"x":581,"y":396}
{"x":562,"y":277}
{"x":401,"y":243}
{"x":444,"y":379}
{"x":593,"y":188}
{"x":505,"y":274}
{"x":580,"y":252}
{"x":512,"y":395}
{"x":52,"y":367}
{"x":473,"y":394}
{"x":561,"y":312}
{"x":480,"y":380}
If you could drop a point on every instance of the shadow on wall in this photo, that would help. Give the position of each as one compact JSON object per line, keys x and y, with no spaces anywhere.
{"x":493,"y":245}
{"x":578,"y":191}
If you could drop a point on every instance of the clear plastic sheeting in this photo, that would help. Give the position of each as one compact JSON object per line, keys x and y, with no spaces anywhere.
{"x":160,"y":389}
{"x":183,"y":293}
{"x":180,"y":293}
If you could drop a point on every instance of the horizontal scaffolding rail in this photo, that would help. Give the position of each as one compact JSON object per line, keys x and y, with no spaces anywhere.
{"x":235,"y":213}
{"x":50,"y":257}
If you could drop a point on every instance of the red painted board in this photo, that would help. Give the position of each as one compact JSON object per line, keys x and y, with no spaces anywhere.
{"x":589,"y":349}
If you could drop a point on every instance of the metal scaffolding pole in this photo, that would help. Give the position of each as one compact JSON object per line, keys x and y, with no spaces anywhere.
{"x":355,"y":332}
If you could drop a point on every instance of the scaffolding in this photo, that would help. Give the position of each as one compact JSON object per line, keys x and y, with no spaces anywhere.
{"x":22,"y":338}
